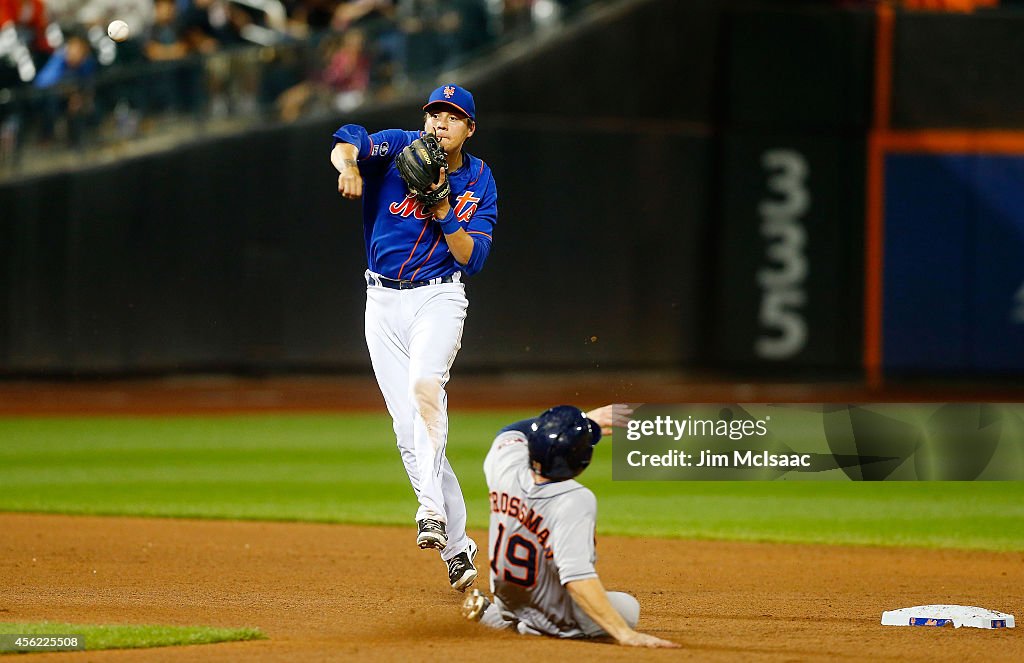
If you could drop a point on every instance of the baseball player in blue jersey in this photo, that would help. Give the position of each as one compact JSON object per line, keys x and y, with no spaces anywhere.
{"x":416,"y":302}
{"x":542,"y":533}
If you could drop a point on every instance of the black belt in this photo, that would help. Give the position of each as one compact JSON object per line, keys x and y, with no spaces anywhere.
{"x":404,"y":284}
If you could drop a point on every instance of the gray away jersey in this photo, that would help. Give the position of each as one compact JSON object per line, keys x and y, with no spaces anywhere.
{"x":541,"y":537}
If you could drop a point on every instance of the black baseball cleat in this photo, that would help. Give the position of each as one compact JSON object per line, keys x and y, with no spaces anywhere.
{"x":431,"y":534}
{"x":461,"y":572}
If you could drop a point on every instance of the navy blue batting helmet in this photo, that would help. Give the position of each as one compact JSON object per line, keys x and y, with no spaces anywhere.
{"x":562,"y":442}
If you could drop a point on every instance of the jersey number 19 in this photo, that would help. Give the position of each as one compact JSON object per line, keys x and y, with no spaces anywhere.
{"x":519,"y":559}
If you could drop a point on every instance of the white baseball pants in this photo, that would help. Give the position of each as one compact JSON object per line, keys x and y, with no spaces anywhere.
{"x":625,"y":604}
{"x":413,"y":337}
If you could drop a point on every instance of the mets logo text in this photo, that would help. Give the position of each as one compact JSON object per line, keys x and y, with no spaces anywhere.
{"x":409,"y":207}
{"x":465,"y":206}
{"x":449,"y":92}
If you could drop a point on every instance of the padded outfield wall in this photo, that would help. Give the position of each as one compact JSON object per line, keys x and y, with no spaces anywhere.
{"x":238,"y":253}
{"x":748,"y":186}
{"x":872,"y":194}
{"x":945,"y":293}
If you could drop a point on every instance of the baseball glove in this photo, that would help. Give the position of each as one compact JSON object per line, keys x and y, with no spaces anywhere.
{"x":420,"y":166}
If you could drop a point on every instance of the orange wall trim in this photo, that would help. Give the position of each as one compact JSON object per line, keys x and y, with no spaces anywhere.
{"x":882,"y":140}
{"x":954,"y":142}
{"x":883,"y":65}
{"x":874,"y":231}
{"x":873,"y":260}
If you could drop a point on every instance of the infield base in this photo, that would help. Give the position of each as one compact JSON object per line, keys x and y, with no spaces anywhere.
{"x":947,"y":615}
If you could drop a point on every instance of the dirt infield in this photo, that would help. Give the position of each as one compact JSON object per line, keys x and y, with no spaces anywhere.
{"x":333,"y":592}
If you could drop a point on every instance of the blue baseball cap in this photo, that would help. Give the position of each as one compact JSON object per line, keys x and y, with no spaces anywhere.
{"x":455,"y":96}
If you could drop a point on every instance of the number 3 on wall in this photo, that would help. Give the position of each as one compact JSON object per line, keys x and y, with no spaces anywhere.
{"x":519,"y":561}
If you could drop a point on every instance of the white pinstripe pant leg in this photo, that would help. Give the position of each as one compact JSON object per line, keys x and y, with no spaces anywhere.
{"x":413,"y":337}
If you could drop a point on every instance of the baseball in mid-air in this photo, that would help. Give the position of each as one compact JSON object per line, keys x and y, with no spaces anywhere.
{"x":117,"y":30}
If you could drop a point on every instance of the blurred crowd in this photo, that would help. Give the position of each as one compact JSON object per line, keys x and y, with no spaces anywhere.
{"x":44,"y":42}
{"x":61,"y":76}
{"x":66,"y":39}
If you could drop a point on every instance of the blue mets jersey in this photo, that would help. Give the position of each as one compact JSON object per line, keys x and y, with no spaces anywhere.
{"x":402,"y":239}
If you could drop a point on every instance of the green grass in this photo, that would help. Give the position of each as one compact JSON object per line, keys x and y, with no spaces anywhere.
{"x":345,"y":468}
{"x":134,"y":636}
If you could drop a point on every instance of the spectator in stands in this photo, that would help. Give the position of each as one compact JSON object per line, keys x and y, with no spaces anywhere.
{"x":270,"y":15}
{"x":342,"y":83}
{"x":32,"y":26}
{"x":378,"y":19}
{"x":310,"y":17}
{"x":165,"y":45}
{"x":418,"y":20}
{"x":348,"y":71}
{"x":72,"y":64}
{"x":440,"y":33}
{"x":516,"y":16}
{"x":164,"y":41}
{"x":27,"y":40}
{"x":68,"y":74}
{"x":352,"y":12}
{"x":463,"y":28}
{"x":206,"y":26}
{"x":239,"y":18}
{"x":178,"y":45}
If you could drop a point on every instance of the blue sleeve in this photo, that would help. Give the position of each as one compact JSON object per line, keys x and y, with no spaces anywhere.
{"x":520,"y":426}
{"x":377,"y":147}
{"x":52,"y":72}
{"x":481,"y":228}
{"x":90,"y":67}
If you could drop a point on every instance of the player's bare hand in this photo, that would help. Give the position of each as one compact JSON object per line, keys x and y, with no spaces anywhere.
{"x":616,"y":414}
{"x":637,"y":639}
{"x":350,"y":183}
